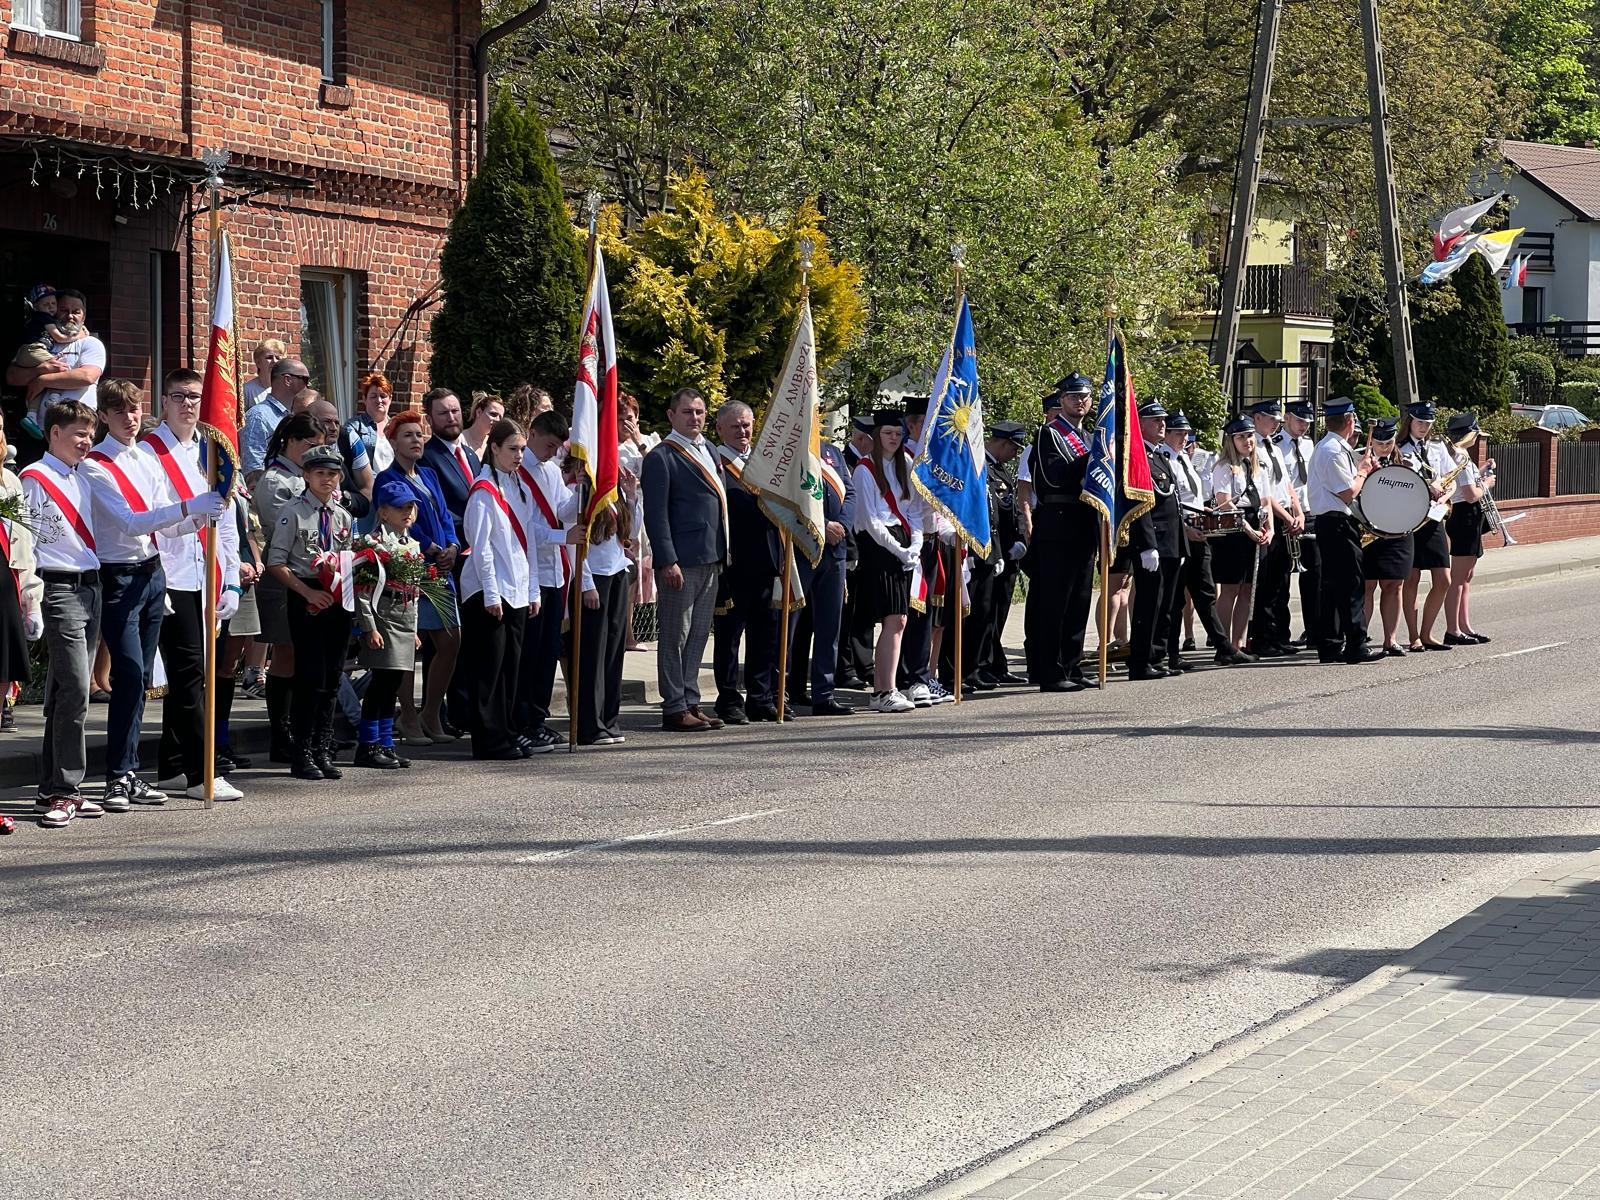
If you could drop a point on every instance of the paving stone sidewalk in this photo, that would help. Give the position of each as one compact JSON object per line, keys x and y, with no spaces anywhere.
{"x":1471,"y":1069}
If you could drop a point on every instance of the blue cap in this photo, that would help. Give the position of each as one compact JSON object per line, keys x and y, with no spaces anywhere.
{"x":1302,"y":409}
{"x":1338,"y":406}
{"x":391,"y":493}
{"x":1272,"y":408}
{"x":1152,"y":408}
{"x":1238,"y":425}
{"x":1461,"y":424}
{"x":1010,"y":431}
{"x":1176,"y":420}
{"x":1075,"y":383}
{"x":1383,"y":429}
{"x":1422,"y":412}
{"x":1050,"y":400}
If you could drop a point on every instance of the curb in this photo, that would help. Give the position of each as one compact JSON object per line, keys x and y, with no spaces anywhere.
{"x":1095,"y":1115}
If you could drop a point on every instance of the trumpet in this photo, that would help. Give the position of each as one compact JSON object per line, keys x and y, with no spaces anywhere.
{"x":1491,"y":510}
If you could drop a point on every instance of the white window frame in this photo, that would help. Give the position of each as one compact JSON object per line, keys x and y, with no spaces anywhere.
{"x":335,"y":297}
{"x":327,"y":40}
{"x":29,"y":15}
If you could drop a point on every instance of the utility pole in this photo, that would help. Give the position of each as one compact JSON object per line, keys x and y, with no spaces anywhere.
{"x":1394,"y":269}
{"x":1242,"y":219}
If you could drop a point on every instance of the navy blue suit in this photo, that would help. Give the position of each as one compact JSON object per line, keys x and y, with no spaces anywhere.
{"x":744,"y":607}
{"x":817,"y":625}
{"x":438,"y":456}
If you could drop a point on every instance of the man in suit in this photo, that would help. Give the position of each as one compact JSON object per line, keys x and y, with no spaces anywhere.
{"x":854,"y":668}
{"x":1158,"y":535}
{"x":686,"y":517}
{"x":815,"y":641}
{"x":452,"y":459}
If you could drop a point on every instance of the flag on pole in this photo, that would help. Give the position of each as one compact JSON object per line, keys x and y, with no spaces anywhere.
{"x":219,"y":391}
{"x":1441,"y":269}
{"x":951,"y":470}
{"x":593,"y":439}
{"x":1117,"y":481}
{"x":1458,"y":221}
{"x":1496,"y":247}
{"x":784,"y":468}
{"x":1517,"y":276}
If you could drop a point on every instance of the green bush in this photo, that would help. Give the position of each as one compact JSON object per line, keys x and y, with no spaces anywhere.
{"x":1534,"y":376}
{"x":1371,"y":403}
{"x":1579,"y":370}
{"x":1583,"y":396}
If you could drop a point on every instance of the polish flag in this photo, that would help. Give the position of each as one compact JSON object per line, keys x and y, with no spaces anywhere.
{"x":594,"y":402}
{"x":219,"y":392}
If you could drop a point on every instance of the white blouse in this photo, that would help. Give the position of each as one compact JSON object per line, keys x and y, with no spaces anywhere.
{"x":500,"y":566}
{"x":874,"y":517}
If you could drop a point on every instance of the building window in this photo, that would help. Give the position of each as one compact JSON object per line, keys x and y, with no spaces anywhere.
{"x":63,"y":18}
{"x":1314,"y":380}
{"x":1532,"y":305}
{"x":328,"y":334}
{"x":331,"y":15}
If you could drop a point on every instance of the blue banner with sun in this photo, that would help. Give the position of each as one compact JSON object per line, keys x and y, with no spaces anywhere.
{"x":951,"y":471}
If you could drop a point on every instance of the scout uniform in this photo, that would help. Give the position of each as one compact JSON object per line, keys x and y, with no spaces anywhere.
{"x":392,"y":614}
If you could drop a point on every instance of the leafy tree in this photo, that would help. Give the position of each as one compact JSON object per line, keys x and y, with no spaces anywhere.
{"x":1183,"y":378}
{"x":512,"y":269}
{"x":1534,"y":375}
{"x":1545,"y":43}
{"x":1462,"y":348}
{"x":709,"y":299}
{"x":1372,"y":404}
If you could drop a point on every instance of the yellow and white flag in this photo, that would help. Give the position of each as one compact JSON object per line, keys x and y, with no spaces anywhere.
{"x":784,"y":468}
{"x":1496,"y":247}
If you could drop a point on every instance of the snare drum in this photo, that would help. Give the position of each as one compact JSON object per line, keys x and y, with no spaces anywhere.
{"x":1393,"y":502}
{"x":1214,"y":522}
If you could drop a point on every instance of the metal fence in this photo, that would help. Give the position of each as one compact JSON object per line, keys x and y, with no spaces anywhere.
{"x":1578,"y":468}
{"x":1516,"y":469}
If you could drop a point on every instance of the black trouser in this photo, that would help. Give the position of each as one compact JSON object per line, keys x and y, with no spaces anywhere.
{"x":1344,"y":619}
{"x":916,"y":646}
{"x":539,"y":658}
{"x":600,"y":658}
{"x":992,"y":659}
{"x":493,"y":648}
{"x":1194,"y":581}
{"x":183,"y":655}
{"x":1153,"y":593}
{"x":816,"y":627}
{"x":1061,"y":557}
{"x":1271,"y":597}
{"x":320,"y":642}
{"x":752,"y":619}
{"x":977,"y":630}
{"x":857,"y":644}
{"x":1311,"y":590}
{"x":383,"y":692}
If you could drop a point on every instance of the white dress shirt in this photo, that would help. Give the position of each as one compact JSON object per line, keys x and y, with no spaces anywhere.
{"x":603,"y":559}
{"x":1436,"y":458}
{"x":57,"y":544}
{"x":1191,"y":491}
{"x":873,"y":515}
{"x":548,"y":542}
{"x":1272,"y":475}
{"x":123,"y":536}
{"x":1333,"y":470}
{"x":183,"y":548}
{"x":500,"y":565}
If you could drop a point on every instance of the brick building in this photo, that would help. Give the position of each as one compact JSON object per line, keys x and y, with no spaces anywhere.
{"x":348,"y":125}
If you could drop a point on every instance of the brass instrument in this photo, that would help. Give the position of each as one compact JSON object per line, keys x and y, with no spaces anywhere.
{"x":1491,"y":510}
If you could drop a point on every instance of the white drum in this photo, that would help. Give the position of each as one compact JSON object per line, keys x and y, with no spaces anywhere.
{"x":1393,"y":501}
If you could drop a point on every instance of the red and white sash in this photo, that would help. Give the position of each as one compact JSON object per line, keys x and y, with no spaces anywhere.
{"x":5,"y":548}
{"x":483,"y":485}
{"x":59,"y":499}
{"x":711,"y":481}
{"x":136,"y":502}
{"x":180,"y":484}
{"x":881,"y":478}
{"x":549,"y":515}
{"x":833,"y":479}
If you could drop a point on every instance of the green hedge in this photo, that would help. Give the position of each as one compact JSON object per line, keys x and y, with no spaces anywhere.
{"x":1534,"y":375}
{"x":1583,"y":396}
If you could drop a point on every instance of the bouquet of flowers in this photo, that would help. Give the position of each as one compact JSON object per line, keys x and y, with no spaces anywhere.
{"x":14,"y":508}
{"x":383,"y":560}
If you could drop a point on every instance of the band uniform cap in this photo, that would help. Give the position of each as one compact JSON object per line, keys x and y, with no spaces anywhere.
{"x":322,"y":456}
{"x":1301,"y":409}
{"x":1461,"y":423}
{"x":885,"y":416}
{"x":862,"y":424}
{"x":1076,"y":382}
{"x":1338,"y":406}
{"x":1152,"y":409}
{"x":1422,"y":412}
{"x":1383,"y":429}
{"x":1010,"y":431}
{"x":1271,"y":408}
{"x":1050,"y":400}
{"x":1192,"y":438}
{"x":391,"y":493}
{"x":917,"y":406}
{"x":1176,"y":420}
{"x":1238,"y":425}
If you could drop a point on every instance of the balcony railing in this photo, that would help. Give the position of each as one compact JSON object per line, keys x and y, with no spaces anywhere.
{"x":1289,"y":290}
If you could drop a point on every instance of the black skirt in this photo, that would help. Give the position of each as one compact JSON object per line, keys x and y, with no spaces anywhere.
{"x":1233,"y":559}
{"x":13,"y":641}
{"x":1464,"y":526}
{"x":882,"y":583}
{"x":1387,"y":558}
{"x":1430,"y":549}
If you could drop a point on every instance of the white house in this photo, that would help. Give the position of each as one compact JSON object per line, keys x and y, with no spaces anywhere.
{"x":1557,"y":190}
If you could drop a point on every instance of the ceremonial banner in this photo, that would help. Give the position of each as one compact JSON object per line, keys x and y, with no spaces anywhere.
{"x":1117,"y":482}
{"x":1442,"y":269}
{"x":1496,"y":247}
{"x":219,"y":392}
{"x":950,"y":472}
{"x":593,"y":439}
{"x":1458,"y":221}
{"x":784,"y":468}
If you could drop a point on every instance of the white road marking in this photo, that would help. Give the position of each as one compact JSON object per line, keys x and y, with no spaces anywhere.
{"x":1529,"y":650}
{"x":648,"y":836}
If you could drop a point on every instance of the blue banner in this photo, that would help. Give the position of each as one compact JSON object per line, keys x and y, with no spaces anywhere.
{"x":951,"y":471}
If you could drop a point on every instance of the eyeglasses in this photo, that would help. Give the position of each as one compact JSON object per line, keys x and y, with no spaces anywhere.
{"x":186,"y":397}
{"x":301,"y":378}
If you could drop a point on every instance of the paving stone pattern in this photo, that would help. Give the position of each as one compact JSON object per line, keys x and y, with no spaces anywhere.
{"x":1475,"y":1074}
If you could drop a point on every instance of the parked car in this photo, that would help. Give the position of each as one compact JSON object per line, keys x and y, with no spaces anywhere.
{"x":1551,"y":416}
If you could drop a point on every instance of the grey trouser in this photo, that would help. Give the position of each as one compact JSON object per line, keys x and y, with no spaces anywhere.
{"x":71,"y":612}
{"x":684,"y":615}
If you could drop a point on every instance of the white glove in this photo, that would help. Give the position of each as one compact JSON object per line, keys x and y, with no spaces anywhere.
{"x":207,"y":504}
{"x":1000,"y":568}
{"x":1018,"y":549}
{"x":1149,"y":560}
{"x":228,"y":602}
{"x":33,"y":626}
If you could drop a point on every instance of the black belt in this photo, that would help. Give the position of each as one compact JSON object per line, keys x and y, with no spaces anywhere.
{"x":1058,"y":501}
{"x":147,"y":567}
{"x":75,"y":578}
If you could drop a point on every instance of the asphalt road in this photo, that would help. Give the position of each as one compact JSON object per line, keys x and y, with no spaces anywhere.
{"x":840,"y":960}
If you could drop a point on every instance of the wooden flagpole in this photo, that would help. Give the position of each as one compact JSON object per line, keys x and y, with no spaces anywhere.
{"x":958,"y":255}
{"x":783,"y":630}
{"x":575,"y":587}
{"x":214,"y":160}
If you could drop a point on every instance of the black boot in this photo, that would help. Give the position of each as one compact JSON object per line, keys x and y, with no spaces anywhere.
{"x":322,"y":749}
{"x":370,"y":754}
{"x":282,"y":749}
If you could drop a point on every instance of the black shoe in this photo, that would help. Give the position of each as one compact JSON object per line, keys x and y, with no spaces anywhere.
{"x":239,"y":761}
{"x":1188,"y":643}
{"x":853,"y":682}
{"x":800,"y":697}
{"x":1394,"y":652}
{"x":389,"y":753}
{"x":550,"y":734}
{"x":986,"y":680}
{"x":1010,"y":679}
{"x":1145,"y":673}
{"x":369,"y":755}
{"x":1481,"y":639}
{"x":831,"y":708}
{"x":975,"y":683}
{"x":323,"y":757}
{"x":760,"y":712}
{"x":504,"y":754}
{"x":733,"y":714}
{"x":224,"y":764}
{"x":1360,"y":655}
{"x":1268,"y":650}
{"x":447,"y":726}
{"x":305,"y":767}
{"x":1064,"y":685}
{"x":1456,"y":639}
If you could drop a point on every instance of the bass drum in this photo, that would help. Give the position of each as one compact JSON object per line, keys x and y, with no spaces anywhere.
{"x":1394,"y":501}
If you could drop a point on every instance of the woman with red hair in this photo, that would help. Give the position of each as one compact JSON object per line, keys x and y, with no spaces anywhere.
{"x":434,"y":531}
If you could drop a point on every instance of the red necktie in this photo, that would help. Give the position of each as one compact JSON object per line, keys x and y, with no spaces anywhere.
{"x":466,"y":471}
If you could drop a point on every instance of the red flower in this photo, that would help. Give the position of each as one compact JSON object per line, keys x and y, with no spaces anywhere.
{"x":433,"y":572}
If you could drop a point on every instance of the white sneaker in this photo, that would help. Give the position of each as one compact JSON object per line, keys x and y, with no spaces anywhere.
{"x":892,"y":702}
{"x":221,"y":789}
{"x":920,"y":696}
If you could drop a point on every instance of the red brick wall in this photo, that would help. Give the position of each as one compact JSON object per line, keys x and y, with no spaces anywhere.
{"x":387,"y":149}
{"x":1551,"y":519}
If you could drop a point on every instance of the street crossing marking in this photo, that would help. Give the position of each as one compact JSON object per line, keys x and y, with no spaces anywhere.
{"x":648,"y":836}
{"x":1528,"y":650}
